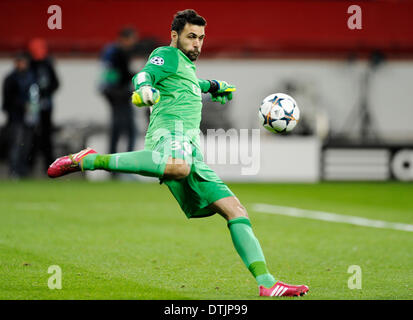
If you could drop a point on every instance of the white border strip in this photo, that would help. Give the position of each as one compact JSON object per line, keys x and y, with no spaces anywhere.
{"x":331,"y":217}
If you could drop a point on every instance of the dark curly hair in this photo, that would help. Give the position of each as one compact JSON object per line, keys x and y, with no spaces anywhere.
{"x":190,"y":16}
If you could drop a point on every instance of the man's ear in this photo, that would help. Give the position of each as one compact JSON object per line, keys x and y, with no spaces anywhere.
{"x":174,"y":36}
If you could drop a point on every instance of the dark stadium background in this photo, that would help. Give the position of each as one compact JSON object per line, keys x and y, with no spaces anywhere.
{"x":235,"y":27}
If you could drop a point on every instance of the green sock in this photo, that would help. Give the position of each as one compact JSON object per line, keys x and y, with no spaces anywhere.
{"x":250,"y":251}
{"x":144,"y":162}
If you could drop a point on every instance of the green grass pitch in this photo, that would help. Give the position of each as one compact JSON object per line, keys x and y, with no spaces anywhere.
{"x":129,"y":240}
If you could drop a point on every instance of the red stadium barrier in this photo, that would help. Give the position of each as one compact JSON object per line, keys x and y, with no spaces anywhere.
{"x":260,"y":26}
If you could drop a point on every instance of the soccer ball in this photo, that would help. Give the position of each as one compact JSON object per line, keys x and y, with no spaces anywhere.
{"x":279,"y":113}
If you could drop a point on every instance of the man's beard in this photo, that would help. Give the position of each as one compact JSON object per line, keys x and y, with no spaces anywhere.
{"x":191,"y":54}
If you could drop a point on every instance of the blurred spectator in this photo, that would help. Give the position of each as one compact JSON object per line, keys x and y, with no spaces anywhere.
{"x":313,"y":115}
{"x":42,"y":66}
{"x":21,"y":104}
{"x":116,"y":86}
{"x":144,"y":46}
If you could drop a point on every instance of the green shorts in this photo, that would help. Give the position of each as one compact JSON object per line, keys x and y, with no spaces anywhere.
{"x":201,"y":187}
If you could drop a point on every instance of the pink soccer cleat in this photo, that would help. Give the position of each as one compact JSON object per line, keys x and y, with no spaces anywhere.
{"x":68,"y":164}
{"x":283,"y":290}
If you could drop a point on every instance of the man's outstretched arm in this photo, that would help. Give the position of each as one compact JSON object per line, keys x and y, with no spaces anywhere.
{"x":221,"y":91}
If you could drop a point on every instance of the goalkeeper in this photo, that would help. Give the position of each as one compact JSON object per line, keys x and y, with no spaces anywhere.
{"x":172,"y":153}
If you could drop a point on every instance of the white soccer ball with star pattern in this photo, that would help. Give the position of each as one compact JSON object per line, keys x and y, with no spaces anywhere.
{"x":279,"y":113}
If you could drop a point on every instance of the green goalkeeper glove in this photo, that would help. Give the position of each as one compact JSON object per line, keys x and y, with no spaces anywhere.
{"x":221,"y":91}
{"x":145,"y":96}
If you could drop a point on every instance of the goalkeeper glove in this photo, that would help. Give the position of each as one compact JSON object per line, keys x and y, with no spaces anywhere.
{"x":221,"y":91}
{"x":145,"y":96}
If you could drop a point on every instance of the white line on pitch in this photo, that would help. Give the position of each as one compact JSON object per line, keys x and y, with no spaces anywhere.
{"x":331,"y":217}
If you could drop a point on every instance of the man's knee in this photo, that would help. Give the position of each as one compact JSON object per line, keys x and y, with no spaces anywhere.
{"x":181,"y":171}
{"x":230,"y":208}
{"x":177,"y":169}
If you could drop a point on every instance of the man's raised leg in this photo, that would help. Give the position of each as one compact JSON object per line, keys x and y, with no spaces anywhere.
{"x":143,"y":162}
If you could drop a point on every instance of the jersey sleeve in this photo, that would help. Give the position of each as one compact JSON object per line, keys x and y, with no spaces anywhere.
{"x":161,"y":63}
{"x":204,"y":84}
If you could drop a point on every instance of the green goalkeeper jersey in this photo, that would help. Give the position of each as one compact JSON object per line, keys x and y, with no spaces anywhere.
{"x":179,"y":109}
